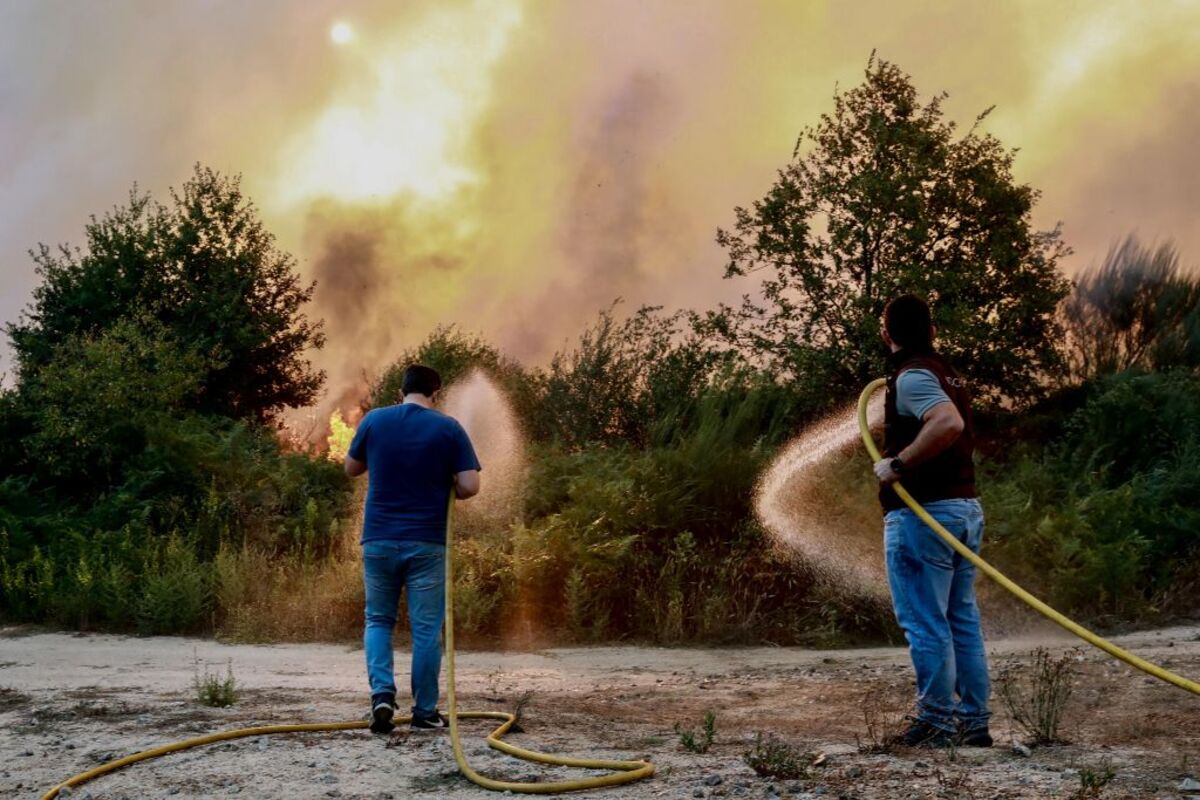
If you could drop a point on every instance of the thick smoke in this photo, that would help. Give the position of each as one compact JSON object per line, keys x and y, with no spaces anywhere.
{"x":513,"y":165}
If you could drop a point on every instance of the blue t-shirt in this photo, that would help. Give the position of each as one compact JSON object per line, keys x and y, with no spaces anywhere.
{"x":917,"y":391}
{"x":412,"y":454}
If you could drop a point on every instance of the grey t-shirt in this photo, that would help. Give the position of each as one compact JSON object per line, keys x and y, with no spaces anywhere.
{"x":917,"y":391}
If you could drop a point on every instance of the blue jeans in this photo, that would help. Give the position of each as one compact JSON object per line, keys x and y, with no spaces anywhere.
{"x":933,"y":593}
{"x":389,"y":566}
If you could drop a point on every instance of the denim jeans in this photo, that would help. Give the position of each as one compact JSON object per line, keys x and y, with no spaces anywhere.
{"x":933,"y":593}
{"x":420,"y":567}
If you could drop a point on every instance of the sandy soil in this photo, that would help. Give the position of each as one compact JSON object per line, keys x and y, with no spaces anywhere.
{"x":69,"y":702}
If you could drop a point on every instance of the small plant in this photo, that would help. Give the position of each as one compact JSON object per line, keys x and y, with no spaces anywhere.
{"x":519,"y":708}
{"x":698,"y":742}
{"x":1093,"y":780}
{"x":883,"y":713}
{"x":11,"y":698}
{"x":213,"y":690}
{"x":1036,"y":694}
{"x":774,"y":758}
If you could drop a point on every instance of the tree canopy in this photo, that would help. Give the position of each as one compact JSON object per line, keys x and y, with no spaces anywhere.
{"x":204,"y":269}
{"x":882,"y":198}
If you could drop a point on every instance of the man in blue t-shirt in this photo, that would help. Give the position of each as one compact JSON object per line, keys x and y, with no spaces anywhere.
{"x":415,"y":457}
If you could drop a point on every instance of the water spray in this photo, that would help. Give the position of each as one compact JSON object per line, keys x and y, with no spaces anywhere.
{"x":804,"y":524}
{"x":999,"y":577}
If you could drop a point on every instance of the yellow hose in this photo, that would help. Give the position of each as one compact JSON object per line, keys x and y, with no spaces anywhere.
{"x":1000,"y":578}
{"x":623,"y":771}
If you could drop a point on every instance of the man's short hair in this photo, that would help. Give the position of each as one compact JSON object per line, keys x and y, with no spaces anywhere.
{"x":908,"y":321}
{"x":420,"y":379}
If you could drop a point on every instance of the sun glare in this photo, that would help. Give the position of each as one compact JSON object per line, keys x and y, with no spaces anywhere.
{"x":404,"y":122}
{"x":341,"y":33}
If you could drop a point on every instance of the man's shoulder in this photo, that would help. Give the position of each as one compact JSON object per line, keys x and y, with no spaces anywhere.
{"x":914,"y":377}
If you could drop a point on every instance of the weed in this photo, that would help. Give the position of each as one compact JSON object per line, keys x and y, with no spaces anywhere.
{"x":519,"y":707}
{"x":883,"y":712}
{"x":1036,"y":694}
{"x":774,"y":758}
{"x":1093,"y":780}
{"x":213,"y":690}
{"x":953,"y":782}
{"x":11,"y":698}
{"x":698,"y":741}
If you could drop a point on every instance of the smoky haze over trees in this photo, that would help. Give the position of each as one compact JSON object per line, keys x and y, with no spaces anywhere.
{"x":883,"y":198}
{"x":142,"y":486}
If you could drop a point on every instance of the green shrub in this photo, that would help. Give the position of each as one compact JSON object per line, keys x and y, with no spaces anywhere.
{"x":772,"y":757}
{"x":698,"y":741}
{"x":210,"y":689}
{"x":1110,"y":507}
{"x":176,"y":591}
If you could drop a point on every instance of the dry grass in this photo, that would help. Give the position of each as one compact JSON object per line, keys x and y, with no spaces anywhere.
{"x":1035,"y":694}
{"x":261,"y":600}
{"x":883,"y":712}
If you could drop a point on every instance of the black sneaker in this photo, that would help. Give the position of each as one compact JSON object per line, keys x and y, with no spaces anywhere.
{"x":433,"y":722}
{"x":976,"y":737}
{"x":383,"y":708}
{"x":921,"y":734}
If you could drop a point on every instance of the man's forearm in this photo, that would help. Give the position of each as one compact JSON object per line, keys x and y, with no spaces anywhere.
{"x":935,"y":436}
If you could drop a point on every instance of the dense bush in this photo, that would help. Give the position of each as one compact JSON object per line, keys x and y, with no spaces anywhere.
{"x":132,"y":447}
{"x":1103,"y":518}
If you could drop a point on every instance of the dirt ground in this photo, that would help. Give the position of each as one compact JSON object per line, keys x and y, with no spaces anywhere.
{"x":69,"y":702}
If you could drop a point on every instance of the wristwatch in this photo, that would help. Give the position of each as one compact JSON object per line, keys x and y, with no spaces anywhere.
{"x":897,"y":466}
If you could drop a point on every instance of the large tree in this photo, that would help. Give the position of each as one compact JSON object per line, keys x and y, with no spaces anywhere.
{"x":881,"y":198}
{"x":208,"y":273}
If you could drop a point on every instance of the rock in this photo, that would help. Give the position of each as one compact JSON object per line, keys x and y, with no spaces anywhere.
{"x":66,"y":791}
{"x":713,"y":780}
{"x":1021,"y":750}
{"x":1189,"y":785}
{"x":27,"y":753}
{"x":697,"y":793}
{"x":854,"y":772}
{"x":329,"y":778}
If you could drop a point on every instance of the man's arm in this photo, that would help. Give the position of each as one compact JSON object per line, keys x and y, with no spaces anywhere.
{"x":941,"y":426}
{"x":466,"y":484}
{"x":354,"y":467}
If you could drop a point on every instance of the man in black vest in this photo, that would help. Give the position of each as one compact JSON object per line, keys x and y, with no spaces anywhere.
{"x":928,"y":445}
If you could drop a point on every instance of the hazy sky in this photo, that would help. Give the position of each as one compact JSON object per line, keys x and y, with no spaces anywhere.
{"x":513,"y":165}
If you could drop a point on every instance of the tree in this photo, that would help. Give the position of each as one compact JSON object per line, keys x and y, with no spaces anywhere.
{"x":208,"y":272}
{"x":1136,"y":309}
{"x":880,"y":198}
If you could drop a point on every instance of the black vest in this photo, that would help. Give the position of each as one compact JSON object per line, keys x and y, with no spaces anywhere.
{"x":949,"y":474}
